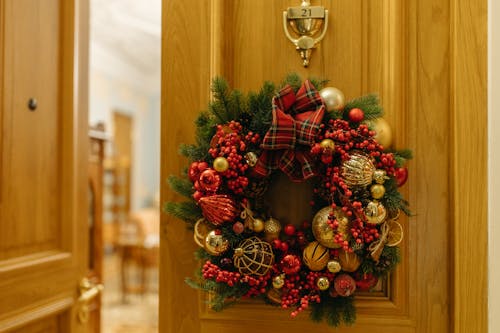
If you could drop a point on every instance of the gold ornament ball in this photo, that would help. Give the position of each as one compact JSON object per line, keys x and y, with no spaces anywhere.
{"x":258,"y":225}
{"x":375,"y":212}
{"x":334,"y":98}
{"x":251,"y":158}
{"x":323,"y":283}
{"x":316,"y":256}
{"x":349,"y":261}
{"x":327,"y":144}
{"x":358,"y":170}
{"x":379,"y":176}
{"x":377,"y":191}
{"x":322,"y":231}
{"x":278,"y":281}
{"x":383,"y":132}
{"x":272,"y":229}
{"x":221,"y":164}
{"x":333,"y":266}
{"x":216,"y":244}
{"x":253,"y":256}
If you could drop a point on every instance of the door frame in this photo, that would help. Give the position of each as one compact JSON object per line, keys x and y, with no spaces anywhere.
{"x":468,"y":202}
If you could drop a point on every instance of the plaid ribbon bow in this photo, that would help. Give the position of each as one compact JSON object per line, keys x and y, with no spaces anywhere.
{"x":286,"y":145}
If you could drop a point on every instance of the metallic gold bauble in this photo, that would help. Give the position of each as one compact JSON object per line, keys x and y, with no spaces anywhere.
{"x":375,"y":212}
{"x":216,"y":244}
{"x":251,"y":158}
{"x":358,"y":170}
{"x":221,"y":164}
{"x":327,"y":144}
{"x":272,"y":229}
{"x":279,"y":281}
{"x":380,"y":176}
{"x":383,"y":132}
{"x":333,"y":266}
{"x":333,"y":98}
{"x":258,"y":225}
{"x":323,"y":283}
{"x":377,"y":191}
{"x":349,"y":261}
{"x":316,"y":256}
{"x":322,"y":231}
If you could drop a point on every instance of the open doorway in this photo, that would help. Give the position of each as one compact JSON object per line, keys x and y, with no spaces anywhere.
{"x":124,"y":117}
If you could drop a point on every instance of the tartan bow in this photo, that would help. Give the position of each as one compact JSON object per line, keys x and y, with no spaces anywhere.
{"x":287,"y":143}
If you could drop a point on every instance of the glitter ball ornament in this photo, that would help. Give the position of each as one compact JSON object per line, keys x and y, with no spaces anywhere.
{"x":279,"y":281}
{"x":375,"y":212}
{"x":322,"y":283}
{"x":253,"y":256}
{"x":272,"y":229}
{"x":209,"y":180}
{"x":215,"y":243}
{"x":380,"y":176}
{"x":349,"y":261}
{"x":333,"y":266}
{"x":323,"y":232}
{"x":221,"y":164}
{"x":251,"y":158}
{"x":316,"y":256}
{"x":218,"y":208}
{"x":334,"y":98}
{"x":344,"y":285}
{"x":358,"y":170}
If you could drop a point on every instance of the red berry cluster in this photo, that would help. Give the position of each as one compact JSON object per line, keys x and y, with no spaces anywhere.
{"x":227,"y":143}
{"x":257,"y":284}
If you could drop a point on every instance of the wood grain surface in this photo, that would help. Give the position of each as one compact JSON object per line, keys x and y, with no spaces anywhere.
{"x":408,"y":52}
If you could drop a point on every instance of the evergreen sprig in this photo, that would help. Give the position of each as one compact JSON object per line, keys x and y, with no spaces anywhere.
{"x":334,"y":311}
{"x":187,"y":211}
{"x":369,"y":104}
{"x":183,"y":186}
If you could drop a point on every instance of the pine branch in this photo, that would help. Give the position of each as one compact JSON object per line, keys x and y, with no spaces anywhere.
{"x":187,"y":211}
{"x":318,"y":83}
{"x":368,"y":103}
{"x":402,"y":156}
{"x":181,"y":185}
{"x":293,"y":79}
{"x":393,"y":199}
{"x":219,"y":107}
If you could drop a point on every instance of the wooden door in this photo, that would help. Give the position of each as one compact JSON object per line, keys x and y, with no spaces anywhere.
{"x":43,"y":163}
{"x":427,"y":61}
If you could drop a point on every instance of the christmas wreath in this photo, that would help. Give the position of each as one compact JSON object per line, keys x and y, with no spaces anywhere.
{"x":351,"y":240}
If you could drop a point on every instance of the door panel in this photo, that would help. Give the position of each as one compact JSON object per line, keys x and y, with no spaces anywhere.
{"x":43,"y":152}
{"x":399,"y":49}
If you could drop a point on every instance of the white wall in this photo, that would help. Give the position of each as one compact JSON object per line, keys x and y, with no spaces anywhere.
{"x":109,"y":93}
{"x":494,"y":163}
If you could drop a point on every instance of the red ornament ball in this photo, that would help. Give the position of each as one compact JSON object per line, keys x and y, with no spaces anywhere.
{"x":284,"y":246}
{"x":290,"y":264}
{"x":277,"y":243}
{"x":344,"y":285}
{"x":356,"y":115}
{"x":366,"y":282}
{"x":238,"y":228}
{"x":401,"y":175}
{"x":290,"y":230}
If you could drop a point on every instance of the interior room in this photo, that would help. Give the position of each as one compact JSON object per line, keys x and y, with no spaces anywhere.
{"x":124,"y":113}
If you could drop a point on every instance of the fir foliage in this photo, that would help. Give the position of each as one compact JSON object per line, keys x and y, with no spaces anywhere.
{"x":393,"y":199}
{"x":187,"y":210}
{"x":368,"y":103}
{"x":334,"y":311}
{"x":260,"y":107}
{"x":402,"y":156}
{"x":183,"y":186}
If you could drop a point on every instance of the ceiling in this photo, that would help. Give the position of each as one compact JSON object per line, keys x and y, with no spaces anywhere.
{"x":125,"y":40}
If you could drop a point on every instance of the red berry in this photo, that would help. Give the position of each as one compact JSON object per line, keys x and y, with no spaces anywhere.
{"x":284,"y":246}
{"x":277,"y":244}
{"x":290,"y":230}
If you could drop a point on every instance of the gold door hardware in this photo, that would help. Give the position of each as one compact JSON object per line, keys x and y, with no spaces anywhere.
{"x":309,"y":24}
{"x":88,"y":290}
